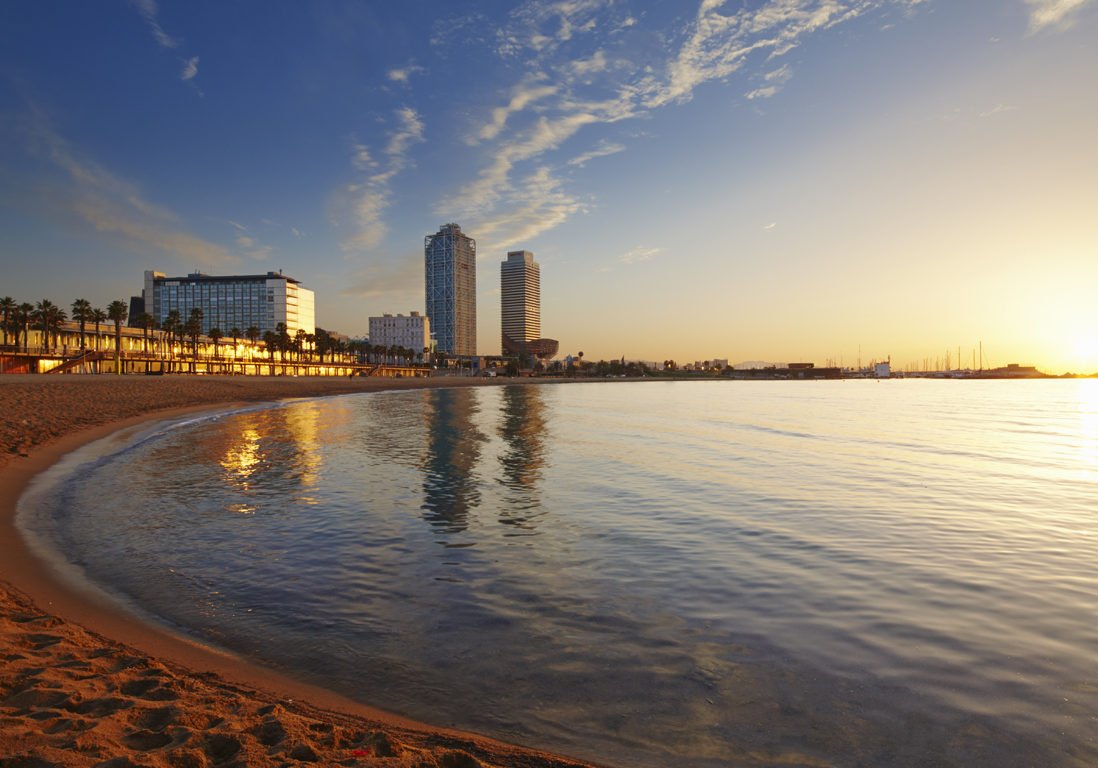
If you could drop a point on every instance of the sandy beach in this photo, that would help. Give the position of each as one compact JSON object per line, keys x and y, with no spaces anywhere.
{"x":83,"y":683}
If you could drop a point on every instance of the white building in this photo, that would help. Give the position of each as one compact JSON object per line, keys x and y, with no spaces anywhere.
{"x":232,"y":301}
{"x":884,"y":370}
{"x":412,"y":332}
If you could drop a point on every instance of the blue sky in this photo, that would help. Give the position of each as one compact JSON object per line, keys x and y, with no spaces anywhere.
{"x":783,"y":180}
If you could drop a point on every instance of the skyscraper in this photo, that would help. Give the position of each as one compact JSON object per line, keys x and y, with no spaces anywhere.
{"x":520,"y":307}
{"x":450,"y":270}
{"x":520,"y":299}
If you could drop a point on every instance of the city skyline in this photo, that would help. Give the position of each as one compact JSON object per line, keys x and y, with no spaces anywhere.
{"x":769,"y":181}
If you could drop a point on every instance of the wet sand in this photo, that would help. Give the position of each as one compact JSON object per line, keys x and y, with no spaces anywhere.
{"x":84,"y":683}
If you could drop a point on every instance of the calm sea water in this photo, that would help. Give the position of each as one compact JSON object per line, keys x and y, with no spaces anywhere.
{"x":664,"y":574}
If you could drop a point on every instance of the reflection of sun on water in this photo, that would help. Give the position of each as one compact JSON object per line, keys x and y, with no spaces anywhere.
{"x":1088,"y":421}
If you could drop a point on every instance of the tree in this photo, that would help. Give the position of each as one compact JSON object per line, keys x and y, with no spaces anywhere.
{"x":193,"y":329}
{"x":117,"y":312}
{"x":215,"y":335}
{"x":299,"y":341}
{"x":8,"y":306}
{"x":81,"y":312}
{"x":97,"y":316}
{"x":235,"y":333}
{"x":146,"y":323}
{"x":48,"y":316}
{"x":172,"y":325}
{"x":24,"y":315}
{"x":282,"y":340}
{"x":271,"y":341}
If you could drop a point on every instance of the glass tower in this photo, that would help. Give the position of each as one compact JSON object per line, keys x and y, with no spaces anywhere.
{"x":450,"y":271}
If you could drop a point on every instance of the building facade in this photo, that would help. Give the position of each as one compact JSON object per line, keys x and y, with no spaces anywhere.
{"x":232,"y":301}
{"x":450,"y":272}
{"x":520,"y":299}
{"x":520,"y":308}
{"x":412,"y":332}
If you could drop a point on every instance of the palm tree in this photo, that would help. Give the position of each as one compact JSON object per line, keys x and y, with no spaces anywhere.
{"x":310,"y":341}
{"x":252,"y":332}
{"x":282,"y":341}
{"x":194,"y":330}
{"x":97,"y":316}
{"x":42,"y":313}
{"x":24,"y":313}
{"x":271,"y":340}
{"x":235,"y":333}
{"x":146,"y":323}
{"x":117,"y":312}
{"x":81,"y":312}
{"x":8,"y":306}
{"x":172,"y":325}
{"x":54,"y":319}
{"x":215,"y":335}
{"x":299,"y":342}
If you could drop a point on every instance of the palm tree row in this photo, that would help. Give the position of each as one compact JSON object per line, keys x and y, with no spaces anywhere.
{"x":20,"y":319}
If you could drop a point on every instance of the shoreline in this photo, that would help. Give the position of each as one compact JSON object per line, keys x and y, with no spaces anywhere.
{"x":80,"y":621}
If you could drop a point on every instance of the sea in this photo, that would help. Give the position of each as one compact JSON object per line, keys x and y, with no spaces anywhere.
{"x":658,"y":573}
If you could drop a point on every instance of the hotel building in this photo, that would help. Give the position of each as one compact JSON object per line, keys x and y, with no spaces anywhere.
{"x":450,"y":272}
{"x":520,"y":299}
{"x":412,"y":332}
{"x":520,"y":307}
{"x":233,"y":301}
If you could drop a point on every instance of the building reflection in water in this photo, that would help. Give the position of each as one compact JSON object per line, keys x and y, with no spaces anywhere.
{"x":450,"y":487}
{"x":523,"y":421}
{"x":274,"y":450}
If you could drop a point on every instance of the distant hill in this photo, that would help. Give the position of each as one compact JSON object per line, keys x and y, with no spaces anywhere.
{"x":757,"y":364}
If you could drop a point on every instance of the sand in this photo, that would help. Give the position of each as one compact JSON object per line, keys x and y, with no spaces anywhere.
{"x":83,"y":683}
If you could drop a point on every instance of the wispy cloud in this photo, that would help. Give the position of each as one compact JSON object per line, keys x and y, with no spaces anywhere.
{"x":638,"y":254}
{"x":365,"y":200}
{"x":538,"y":204}
{"x":148,"y":9}
{"x":555,"y":97}
{"x":774,"y":82}
{"x":402,"y":74}
{"x":601,"y":149}
{"x":771,"y":225}
{"x":78,"y":193}
{"x":523,"y":94}
{"x":997,"y":110}
{"x":1056,"y":13}
{"x":190,"y":69}
{"x":250,"y":246}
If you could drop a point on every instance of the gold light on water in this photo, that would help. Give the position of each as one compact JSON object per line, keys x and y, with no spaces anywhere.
{"x":244,"y":456}
{"x":1088,"y":421}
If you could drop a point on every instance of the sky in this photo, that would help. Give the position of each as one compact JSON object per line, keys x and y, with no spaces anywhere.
{"x":779,"y":180}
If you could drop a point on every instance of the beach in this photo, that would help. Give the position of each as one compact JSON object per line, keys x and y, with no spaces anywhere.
{"x":86,"y":684}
